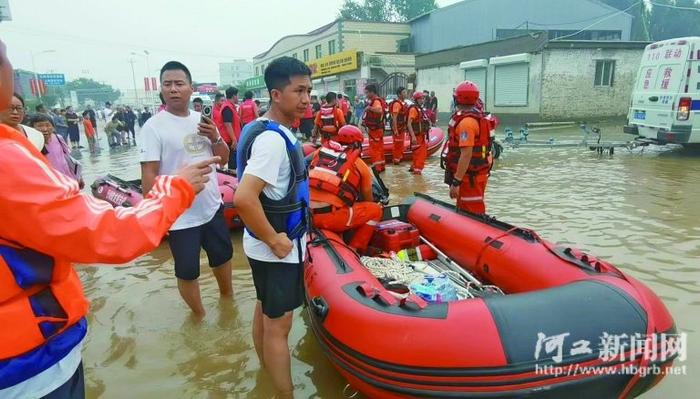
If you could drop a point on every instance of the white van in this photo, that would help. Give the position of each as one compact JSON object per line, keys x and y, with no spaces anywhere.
{"x":665,"y":103}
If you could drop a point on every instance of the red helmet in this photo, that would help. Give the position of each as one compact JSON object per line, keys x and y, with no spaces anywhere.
{"x":349,"y":134}
{"x":466,"y":93}
{"x":418,"y":95}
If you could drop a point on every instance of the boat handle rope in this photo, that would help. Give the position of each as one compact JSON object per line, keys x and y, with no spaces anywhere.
{"x":489,"y":240}
{"x":350,"y":392}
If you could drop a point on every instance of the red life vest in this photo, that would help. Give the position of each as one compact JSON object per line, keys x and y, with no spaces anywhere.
{"x":422,"y":125}
{"x":335,"y":172}
{"x":227,"y":104}
{"x":309,"y":113}
{"x":374,"y":120}
{"x":481,"y":154}
{"x":401,"y":116}
{"x":248,"y":112}
{"x":329,"y":123}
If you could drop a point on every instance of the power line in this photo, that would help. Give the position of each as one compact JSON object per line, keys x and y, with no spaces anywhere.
{"x":599,"y":21}
{"x":675,"y":7}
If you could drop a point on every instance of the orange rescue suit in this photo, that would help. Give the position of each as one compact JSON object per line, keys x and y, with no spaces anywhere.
{"x":47,"y":224}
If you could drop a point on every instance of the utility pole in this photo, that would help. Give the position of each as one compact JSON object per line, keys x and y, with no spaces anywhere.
{"x":133,"y":77}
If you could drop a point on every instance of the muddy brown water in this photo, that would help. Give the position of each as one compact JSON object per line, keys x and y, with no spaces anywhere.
{"x":638,"y":210}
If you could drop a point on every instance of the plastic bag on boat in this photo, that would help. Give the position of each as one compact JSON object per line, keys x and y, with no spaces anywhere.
{"x":435,"y":289}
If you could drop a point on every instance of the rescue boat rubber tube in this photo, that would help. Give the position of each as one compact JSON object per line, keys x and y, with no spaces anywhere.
{"x":127,"y":193}
{"x":482,"y":347}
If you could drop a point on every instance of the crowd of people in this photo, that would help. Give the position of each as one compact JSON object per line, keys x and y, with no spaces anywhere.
{"x":278,"y":198}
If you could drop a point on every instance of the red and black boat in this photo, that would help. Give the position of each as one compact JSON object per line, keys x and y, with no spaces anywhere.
{"x":538,"y":338}
{"x":127,"y":193}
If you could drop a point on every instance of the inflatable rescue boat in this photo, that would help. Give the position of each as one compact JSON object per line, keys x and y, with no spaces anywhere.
{"x":531,"y":319}
{"x":128,"y":193}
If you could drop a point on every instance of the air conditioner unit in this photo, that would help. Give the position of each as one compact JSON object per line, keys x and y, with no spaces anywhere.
{"x":375,"y":60}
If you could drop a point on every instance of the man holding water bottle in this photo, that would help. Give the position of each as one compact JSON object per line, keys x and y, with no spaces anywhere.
{"x":170,"y":140}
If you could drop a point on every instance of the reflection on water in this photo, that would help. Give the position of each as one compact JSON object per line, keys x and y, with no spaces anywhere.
{"x":638,"y":210}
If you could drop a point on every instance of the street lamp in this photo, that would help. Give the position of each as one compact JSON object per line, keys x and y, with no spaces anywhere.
{"x":36,"y":75}
{"x":133,"y":77}
{"x":149,"y":94}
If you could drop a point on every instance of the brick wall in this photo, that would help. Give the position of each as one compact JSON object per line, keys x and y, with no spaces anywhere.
{"x":568,"y":90}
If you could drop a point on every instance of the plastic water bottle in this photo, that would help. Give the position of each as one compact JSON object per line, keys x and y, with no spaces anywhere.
{"x":435,"y":289}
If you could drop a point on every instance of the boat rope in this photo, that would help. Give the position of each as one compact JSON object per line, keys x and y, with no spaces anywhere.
{"x":350,"y":392}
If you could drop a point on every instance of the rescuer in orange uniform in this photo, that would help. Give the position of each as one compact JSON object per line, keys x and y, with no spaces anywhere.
{"x":418,"y":127}
{"x":328,"y":120}
{"x":341,"y":189}
{"x":373,"y":120}
{"x":399,"y":118}
{"x":46,"y":225}
{"x":467,"y":153}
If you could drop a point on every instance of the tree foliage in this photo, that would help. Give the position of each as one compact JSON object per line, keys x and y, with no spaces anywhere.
{"x":88,"y":89}
{"x":385,"y":10}
{"x":659,"y":22}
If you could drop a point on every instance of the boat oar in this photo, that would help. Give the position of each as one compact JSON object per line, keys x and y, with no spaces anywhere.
{"x":452,"y":264}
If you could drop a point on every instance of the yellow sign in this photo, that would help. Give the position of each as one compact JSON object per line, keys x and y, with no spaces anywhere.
{"x":332,"y":64}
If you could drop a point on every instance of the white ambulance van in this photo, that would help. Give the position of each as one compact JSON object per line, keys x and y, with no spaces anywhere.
{"x":665,"y":105}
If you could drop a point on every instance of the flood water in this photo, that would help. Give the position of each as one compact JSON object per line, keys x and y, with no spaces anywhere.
{"x":638,"y":210}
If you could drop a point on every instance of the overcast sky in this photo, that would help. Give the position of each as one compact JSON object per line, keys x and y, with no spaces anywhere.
{"x":95,"y":38}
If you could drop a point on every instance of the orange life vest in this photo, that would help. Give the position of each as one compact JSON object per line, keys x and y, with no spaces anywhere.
{"x":374,"y":120}
{"x":329,"y":123}
{"x":335,"y":172}
{"x":401,"y":116}
{"x":481,"y":153}
{"x":422,"y":125}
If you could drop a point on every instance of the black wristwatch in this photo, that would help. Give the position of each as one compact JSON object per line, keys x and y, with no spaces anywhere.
{"x":456,"y":182}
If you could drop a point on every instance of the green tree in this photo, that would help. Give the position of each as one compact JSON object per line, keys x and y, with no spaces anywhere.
{"x":385,"y":10}
{"x":654,"y":23}
{"x":88,"y":89}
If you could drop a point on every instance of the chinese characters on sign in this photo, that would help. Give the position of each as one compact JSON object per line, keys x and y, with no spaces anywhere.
{"x":667,"y":54}
{"x":53,"y":79}
{"x":647,"y":78}
{"x":341,"y":62}
{"x":666,"y":78}
{"x":613,"y":347}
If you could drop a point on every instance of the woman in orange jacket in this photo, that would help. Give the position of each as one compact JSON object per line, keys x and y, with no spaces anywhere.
{"x":46,"y":225}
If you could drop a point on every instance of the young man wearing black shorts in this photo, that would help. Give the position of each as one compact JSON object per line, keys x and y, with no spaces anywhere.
{"x":174,"y":138}
{"x":269,"y":155}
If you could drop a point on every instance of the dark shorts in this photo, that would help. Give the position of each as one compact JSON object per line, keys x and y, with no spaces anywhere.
{"x":306,"y":126}
{"x":279,"y":286}
{"x":72,"y":389}
{"x":185,"y":245}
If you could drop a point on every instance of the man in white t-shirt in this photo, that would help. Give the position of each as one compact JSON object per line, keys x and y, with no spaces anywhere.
{"x":170,"y":140}
{"x":266,"y":169}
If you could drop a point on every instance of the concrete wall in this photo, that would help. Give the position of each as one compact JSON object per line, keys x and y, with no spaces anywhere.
{"x":373,"y":37}
{"x":442,"y":80}
{"x":567,"y":83}
{"x":476,"y":21}
{"x":534,"y":95}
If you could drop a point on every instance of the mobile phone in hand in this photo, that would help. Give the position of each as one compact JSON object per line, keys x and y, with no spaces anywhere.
{"x":206,"y":113}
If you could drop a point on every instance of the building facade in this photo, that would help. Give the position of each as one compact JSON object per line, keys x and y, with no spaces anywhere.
{"x":533,"y":77}
{"x":478,"y":21}
{"x":234,"y":73}
{"x":343,"y":55}
{"x":22,"y":82}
